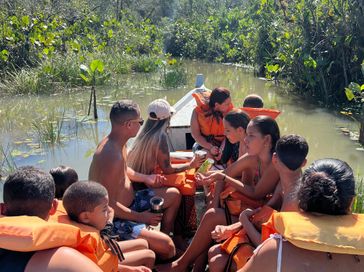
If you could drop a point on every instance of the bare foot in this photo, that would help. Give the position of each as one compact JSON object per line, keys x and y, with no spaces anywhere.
{"x":169,"y":267}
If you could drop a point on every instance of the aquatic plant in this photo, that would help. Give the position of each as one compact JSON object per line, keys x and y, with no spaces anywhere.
{"x":145,"y":63}
{"x":7,"y":163}
{"x":358,"y":205}
{"x":173,"y":74}
{"x":25,"y":81}
{"x":48,"y":130}
{"x":90,"y":74}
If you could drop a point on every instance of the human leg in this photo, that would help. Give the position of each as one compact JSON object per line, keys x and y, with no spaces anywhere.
{"x":172,"y":200}
{"x":217,"y":258}
{"x":200,"y":242}
{"x":144,"y":257}
{"x":54,"y":260}
{"x":132,"y":245}
{"x":160,"y":243}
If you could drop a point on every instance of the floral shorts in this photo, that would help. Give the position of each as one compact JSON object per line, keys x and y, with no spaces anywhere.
{"x":128,"y":230}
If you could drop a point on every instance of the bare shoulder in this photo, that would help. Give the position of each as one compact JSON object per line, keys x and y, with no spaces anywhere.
{"x":264,"y":258}
{"x":247,"y":161}
{"x":107,"y":162}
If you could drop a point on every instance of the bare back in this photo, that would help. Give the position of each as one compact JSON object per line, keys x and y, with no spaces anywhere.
{"x":297,"y":259}
{"x":108,"y":167}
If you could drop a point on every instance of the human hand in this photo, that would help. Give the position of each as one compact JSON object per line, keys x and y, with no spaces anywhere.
{"x":247,"y":214}
{"x":155,"y":180}
{"x":151,"y":218}
{"x":208,"y":178}
{"x":221,"y":233}
{"x":214,"y":150}
{"x":196,"y":161}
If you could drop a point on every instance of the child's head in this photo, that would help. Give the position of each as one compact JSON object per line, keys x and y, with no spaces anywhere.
{"x":235,"y":124}
{"x":262,"y":134}
{"x":63,"y":177}
{"x":253,"y":101}
{"x":327,"y":186}
{"x":29,"y":191}
{"x":87,"y":202}
{"x":291,"y":151}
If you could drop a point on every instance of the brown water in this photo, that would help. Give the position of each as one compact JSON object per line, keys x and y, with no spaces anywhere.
{"x":20,"y":115}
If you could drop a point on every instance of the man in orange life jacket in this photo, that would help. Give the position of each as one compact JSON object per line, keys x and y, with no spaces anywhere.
{"x":30,"y":191}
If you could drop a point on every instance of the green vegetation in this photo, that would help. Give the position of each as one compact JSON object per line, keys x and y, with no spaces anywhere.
{"x":174,"y":74}
{"x":7,"y":163}
{"x":358,"y":205}
{"x":316,"y":46}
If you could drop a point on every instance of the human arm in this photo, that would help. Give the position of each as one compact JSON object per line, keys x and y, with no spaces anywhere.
{"x":253,"y":234}
{"x":164,"y":160}
{"x":264,"y":259}
{"x":276,"y":200}
{"x":153,"y":180}
{"x":221,"y":232}
{"x":265,"y":185}
{"x":54,"y":260}
{"x":199,"y":138}
{"x":113,"y":177}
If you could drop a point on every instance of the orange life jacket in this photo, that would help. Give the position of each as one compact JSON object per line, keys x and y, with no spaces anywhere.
{"x":236,"y":202}
{"x":254,"y":112}
{"x":183,"y":181}
{"x":209,"y":125}
{"x":31,"y":233}
{"x":342,"y":234}
{"x":238,"y":246}
{"x":91,"y":243}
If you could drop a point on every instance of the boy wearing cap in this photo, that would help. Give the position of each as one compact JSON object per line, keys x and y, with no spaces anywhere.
{"x":109,"y":167}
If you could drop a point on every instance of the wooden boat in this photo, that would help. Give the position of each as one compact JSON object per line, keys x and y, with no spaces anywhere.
{"x":179,"y":133}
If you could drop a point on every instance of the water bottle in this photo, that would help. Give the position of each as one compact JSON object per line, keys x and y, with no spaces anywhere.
{"x":156,"y":206}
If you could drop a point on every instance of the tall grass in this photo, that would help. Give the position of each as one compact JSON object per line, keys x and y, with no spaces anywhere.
{"x":7,"y":163}
{"x":25,"y":81}
{"x":48,"y":130}
{"x":358,"y":205}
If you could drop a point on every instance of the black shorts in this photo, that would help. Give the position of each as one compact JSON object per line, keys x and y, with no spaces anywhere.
{"x":14,"y":261}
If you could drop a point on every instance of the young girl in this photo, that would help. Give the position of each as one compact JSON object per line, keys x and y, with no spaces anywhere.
{"x":261,"y":138}
{"x":235,"y":124}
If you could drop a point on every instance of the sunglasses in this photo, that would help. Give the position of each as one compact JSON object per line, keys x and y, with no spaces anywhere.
{"x":140,"y":121}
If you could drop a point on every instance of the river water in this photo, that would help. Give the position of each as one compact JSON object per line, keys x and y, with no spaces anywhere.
{"x":24,"y":120}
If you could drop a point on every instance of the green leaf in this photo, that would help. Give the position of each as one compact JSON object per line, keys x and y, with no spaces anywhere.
{"x":25,"y":20}
{"x":362,"y":87}
{"x":85,"y":78}
{"x":46,"y":51}
{"x":349,"y":94}
{"x":97,"y":65}
{"x":110,"y":33}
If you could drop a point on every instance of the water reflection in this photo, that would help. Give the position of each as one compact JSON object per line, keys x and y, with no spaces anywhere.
{"x":79,"y":136}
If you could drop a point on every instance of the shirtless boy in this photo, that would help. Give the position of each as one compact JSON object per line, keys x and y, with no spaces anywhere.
{"x":109,"y":167}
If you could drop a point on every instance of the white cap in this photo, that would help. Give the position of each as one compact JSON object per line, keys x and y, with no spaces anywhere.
{"x":160,"y":109}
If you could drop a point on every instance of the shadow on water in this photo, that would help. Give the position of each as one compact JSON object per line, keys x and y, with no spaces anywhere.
{"x":79,"y":135}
